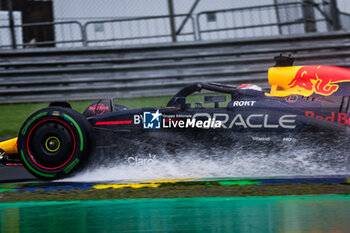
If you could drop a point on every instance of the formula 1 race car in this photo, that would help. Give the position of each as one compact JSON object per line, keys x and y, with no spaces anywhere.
{"x":57,"y":141}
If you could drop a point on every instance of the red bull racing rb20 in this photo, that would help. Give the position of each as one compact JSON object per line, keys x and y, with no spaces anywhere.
{"x":306,"y":107}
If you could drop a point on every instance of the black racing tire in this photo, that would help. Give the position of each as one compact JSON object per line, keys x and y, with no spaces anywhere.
{"x":53,"y":142}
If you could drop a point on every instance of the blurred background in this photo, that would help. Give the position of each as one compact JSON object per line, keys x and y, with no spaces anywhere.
{"x":88,"y":49}
{"x":67,"y":23}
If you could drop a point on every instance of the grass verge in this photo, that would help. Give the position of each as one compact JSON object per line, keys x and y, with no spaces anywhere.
{"x":177,"y":190}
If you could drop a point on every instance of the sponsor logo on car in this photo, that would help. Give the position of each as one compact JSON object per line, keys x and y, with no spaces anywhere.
{"x":337,"y":117}
{"x":142,"y":161}
{"x":152,"y":120}
{"x":243,"y":103}
{"x":99,"y":109}
{"x":319,"y":79}
{"x":191,"y":123}
{"x":289,"y":139}
{"x":257,"y":121}
{"x":291,"y":98}
{"x":261,"y":139}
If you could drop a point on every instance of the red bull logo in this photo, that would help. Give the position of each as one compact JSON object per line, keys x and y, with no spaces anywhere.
{"x":340,"y":118}
{"x":98,"y":109}
{"x":321,"y":80}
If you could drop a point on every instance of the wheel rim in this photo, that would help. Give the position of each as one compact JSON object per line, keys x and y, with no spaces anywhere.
{"x":51,"y":144}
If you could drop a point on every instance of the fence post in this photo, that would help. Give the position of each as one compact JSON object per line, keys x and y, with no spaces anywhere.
{"x":11,"y":24}
{"x":194,"y":28}
{"x":172,"y":20}
{"x":189,"y":15}
{"x":197,"y":28}
{"x":83,"y":34}
{"x":309,"y":16}
{"x":334,"y":15}
{"x":278,"y":17}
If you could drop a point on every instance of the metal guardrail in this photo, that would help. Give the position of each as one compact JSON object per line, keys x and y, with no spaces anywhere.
{"x":36,"y":75}
{"x":152,"y":29}
{"x":237,"y":23}
{"x":264,"y":20}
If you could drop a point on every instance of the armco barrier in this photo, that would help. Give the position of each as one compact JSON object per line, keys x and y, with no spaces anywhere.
{"x":36,"y":75}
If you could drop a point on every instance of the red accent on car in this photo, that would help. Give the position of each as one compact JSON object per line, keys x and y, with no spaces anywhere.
{"x":325,"y":79}
{"x":99,"y":109}
{"x":113,"y":123}
{"x":14,"y":164}
{"x":291,"y":98}
{"x":245,"y":85}
{"x":167,"y":120}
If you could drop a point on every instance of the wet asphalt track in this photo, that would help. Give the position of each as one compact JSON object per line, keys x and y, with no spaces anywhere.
{"x":18,"y":174}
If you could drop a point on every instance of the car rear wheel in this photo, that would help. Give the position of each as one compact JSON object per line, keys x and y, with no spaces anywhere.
{"x":53,"y":142}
